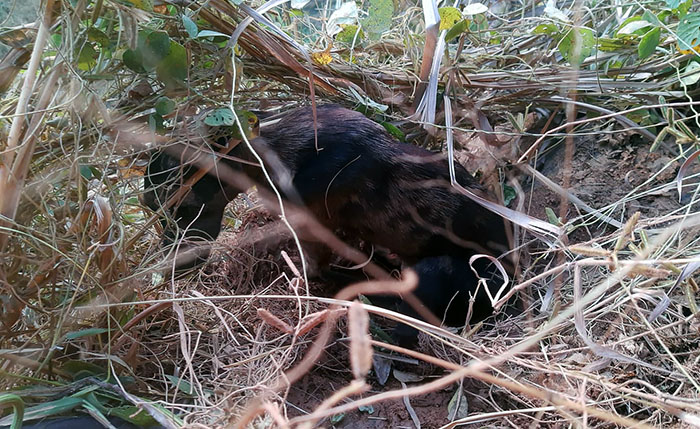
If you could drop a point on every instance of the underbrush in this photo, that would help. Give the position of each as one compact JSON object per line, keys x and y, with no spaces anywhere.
{"x":579,"y":114}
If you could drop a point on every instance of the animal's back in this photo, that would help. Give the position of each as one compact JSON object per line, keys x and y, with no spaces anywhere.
{"x":353,"y":175}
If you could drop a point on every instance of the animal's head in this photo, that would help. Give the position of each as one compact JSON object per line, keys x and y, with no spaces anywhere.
{"x":191,"y":209}
{"x":189,"y":185}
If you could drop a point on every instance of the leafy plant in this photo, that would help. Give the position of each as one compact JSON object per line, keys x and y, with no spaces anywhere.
{"x":471,"y":19}
{"x":378,"y":19}
{"x":574,"y":43}
{"x":156,"y":52}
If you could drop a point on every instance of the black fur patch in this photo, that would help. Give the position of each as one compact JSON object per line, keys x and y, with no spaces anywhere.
{"x":356,"y":178}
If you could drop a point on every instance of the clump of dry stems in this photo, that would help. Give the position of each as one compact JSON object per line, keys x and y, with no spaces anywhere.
{"x":609,"y":335}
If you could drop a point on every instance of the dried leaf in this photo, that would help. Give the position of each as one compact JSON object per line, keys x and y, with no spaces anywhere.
{"x":627,"y":232}
{"x":688,"y":270}
{"x":647,"y":271}
{"x":382,"y":369}
{"x":528,"y":222}
{"x":682,"y":172}
{"x":475,"y":9}
{"x":312,"y":320}
{"x":407,"y":377}
{"x":346,"y":14}
{"x":495,"y":299}
{"x":604,"y":352}
{"x":409,"y":408}
{"x":103,"y":216}
{"x":458,"y":407}
{"x":360,"y":341}
{"x":589,"y":251}
{"x":274,"y":321}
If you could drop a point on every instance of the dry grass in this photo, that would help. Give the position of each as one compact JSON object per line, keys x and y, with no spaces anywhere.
{"x":610,"y":335}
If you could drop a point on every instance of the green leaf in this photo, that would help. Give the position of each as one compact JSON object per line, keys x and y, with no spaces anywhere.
{"x":184,"y":386}
{"x":80,"y":369}
{"x":606,"y":44}
{"x":210,"y":33}
{"x":172,"y":70}
{"x":141,"y":38}
{"x":46,"y":409}
{"x":190,"y":26}
{"x":93,"y":406}
{"x":649,"y":42}
{"x":337,"y":418}
{"x":56,"y":40}
{"x":672,"y":4}
{"x":664,"y":107}
{"x":164,"y":106}
{"x":133,"y":60}
{"x":551,"y":217}
{"x":394,"y":131}
{"x":659,"y":138}
{"x":156,"y":47}
{"x":86,"y":172}
{"x":479,"y":23}
{"x":220,"y":117}
{"x":379,"y":17}
{"x":650,"y":17}
{"x":458,"y":407}
{"x":17,"y":404}
{"x":156,"y":123}
{"x":134,"y":415}
{"x":577,"y":44}
{"x":347,"y":34}
{"x":548,"y":29}
{"x":689,"y":31}
{"x":634,"y":26}
{"x":87,"y":57}
{"x":684,"y":7}
{"x":85,"y":332}
{"x":98,"y":36}
{"x":367,"y":409}
{"x":224,"y":126}
{"x":457,"y":29}
{"x":146,"y":5}
{"x":691,"y":74}
{"x":249,"y":122}
{"x":98,"y":76}
{"x":664,"y":15}
{"x":449,"y":16}
{"x":508,"y":194}
{"x":61,"y":122}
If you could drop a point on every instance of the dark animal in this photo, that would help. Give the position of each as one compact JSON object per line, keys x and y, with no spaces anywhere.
{"x":82,"y":422}
{"x":445,"y":286}
{"x":356,"y":178}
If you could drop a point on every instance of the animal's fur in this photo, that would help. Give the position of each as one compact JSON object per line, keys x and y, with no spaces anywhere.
{"x":355,"y":177}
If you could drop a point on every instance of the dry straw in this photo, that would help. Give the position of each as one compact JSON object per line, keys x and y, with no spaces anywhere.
{"x":610,"y":333}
